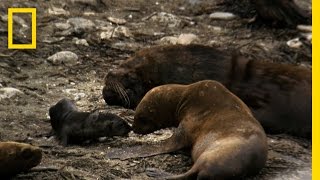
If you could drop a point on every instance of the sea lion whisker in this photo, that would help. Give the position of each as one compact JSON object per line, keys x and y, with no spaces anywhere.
{"x":123,"y":93}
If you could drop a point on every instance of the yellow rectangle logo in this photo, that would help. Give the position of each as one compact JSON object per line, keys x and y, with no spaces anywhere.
{"x":33,"y":12}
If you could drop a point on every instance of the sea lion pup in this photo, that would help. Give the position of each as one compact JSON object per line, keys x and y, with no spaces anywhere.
{"x":285,"y":12}
{"x":18,"y":157}
{"x":73,"y":126}
{"x":226,"y":141}
{"x":278,"y":94}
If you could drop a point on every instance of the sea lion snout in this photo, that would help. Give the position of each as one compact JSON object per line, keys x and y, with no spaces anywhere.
{"x":120,"y":128}
{"x":123,"y":88}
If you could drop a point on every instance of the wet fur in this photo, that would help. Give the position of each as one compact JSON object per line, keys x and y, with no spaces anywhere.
{"x":74,"y":127}
{"x":226,"y":141}
{"x":278,"y":94}
{"x":18,"y":157}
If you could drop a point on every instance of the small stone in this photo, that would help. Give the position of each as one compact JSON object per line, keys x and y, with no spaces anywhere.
{"x":8,"y":92}
{"x":80,"y":41}
{"x":185,"y":39}
{"x":111,"y":32}
{"x":307,"y":36}
{"x":167,"y":19}
{"x":57,"y":11}
{"x":169,"y":40}
{"x":117,"y":20}
{"x":305,"y":28}
{"x":62,"y":26}
{"x":66,"y":57}
{"x":81,"y":24}
{"x":89,"y":13}
{"x":294,"y":43}
{"x":222,"y":16}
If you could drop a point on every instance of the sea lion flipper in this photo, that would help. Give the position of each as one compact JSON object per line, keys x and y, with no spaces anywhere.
{"x":157,"y":173}
{"x":166,"y":146}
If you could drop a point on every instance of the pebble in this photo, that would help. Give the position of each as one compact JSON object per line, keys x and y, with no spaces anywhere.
{"x":168,"y":40}
{"x":307,"y":36}
{"x":62,"y":26}
{"x":81,"y":25}
{"x":57,"y":11}
{"x":117,"y":20}
{"x":111,"y":32}
{"x":8,"y":92}
{"x":66,"y":57}
{"x":183,"y":39}
{"x":222,"y":16}
{"x":80,"y":41}
{"x":166,"y":18}
{"x":294,"y":43}
{"x":305,"y":28}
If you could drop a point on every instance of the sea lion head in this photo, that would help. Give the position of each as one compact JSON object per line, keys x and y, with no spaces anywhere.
{"x":17,"y":157}
{"x":113,"y":125}
{"x":157,"y":109}
{"x":60,"y":110}
{"x":123,"y":87}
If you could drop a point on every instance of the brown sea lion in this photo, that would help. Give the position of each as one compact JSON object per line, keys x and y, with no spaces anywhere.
{"x":73,"y":126}
{"x":18,"y":157}
{"x":278,"y":94}
{"x":284,"y":12}
{"x":226,"y":141}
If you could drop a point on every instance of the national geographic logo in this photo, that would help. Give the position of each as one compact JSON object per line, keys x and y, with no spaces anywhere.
{"x":33,"y":12}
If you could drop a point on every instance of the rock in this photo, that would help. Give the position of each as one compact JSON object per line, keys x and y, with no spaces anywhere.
{"x":66,"y":57}
{"x":81,"y":25}
{"x":117,"y":20}
{"x":52,"y":39}
{"x":307,"y":36}
{"x":183,"y":39}
{"x":57,"y":11}
{"x":168,"y":40}
{"x":304,"y":28}
{"x":167,"y":19}
{"x":111,"y":32}
{"x":8,"y":92}
{"x":222,"y":16}
{"x":62,"y":26}
{"x":89,"y":13}
{"x":187,"y":39}
{"x":80,"y":41}
{"x":294,"y":43}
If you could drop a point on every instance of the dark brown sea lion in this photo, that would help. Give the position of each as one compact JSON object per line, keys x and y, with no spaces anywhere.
{"x":278,"y":94}
{"x":73,"y":126}
{"x":226,"y":141}
{"x":285,"y":12}
{"x":18,"y":157}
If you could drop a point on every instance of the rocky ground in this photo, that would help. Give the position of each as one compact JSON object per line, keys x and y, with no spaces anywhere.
{"x":95,"y":36}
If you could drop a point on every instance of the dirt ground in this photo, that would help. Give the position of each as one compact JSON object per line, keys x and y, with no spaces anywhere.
{"x":24,"y":117}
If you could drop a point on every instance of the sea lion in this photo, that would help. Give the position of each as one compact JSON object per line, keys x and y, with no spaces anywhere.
{"x":73,"y":126}
{"x":226,"y":141}
{"x":284,"y":12}
{"x":18,"y":157}
{"x":278,"y":94}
